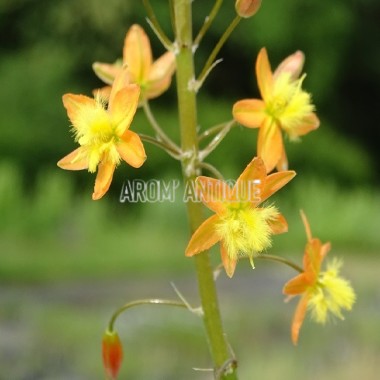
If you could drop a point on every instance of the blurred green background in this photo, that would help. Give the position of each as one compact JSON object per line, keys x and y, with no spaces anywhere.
{"x":66,"y":262}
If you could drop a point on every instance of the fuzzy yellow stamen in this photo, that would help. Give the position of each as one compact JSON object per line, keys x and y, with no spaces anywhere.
{"x":331,"y":294}
{"x":289,"y":104}
{"x":96,"y":133}
{"x":245,"y":230}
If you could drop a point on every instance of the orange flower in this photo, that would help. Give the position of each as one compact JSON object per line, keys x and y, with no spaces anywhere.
{"x":284,"y":107}
{"x":154,"y":78}
{"x":112,"y":353}
{"x":322,"y":292}
{"x":103,"y":134}
{"x":241,"y":227}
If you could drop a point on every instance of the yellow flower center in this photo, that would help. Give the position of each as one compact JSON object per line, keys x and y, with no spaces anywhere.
{"x":96,"y":133}
{"x":246,"y":231}
{"x":331,"y":294}
{"x":289,"y":104}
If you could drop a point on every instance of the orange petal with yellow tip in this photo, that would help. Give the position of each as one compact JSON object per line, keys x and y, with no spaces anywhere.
{"x":71,"y":161}
{"x":228,"y":263}
{"x":106,"y":72}
{"x":131,"y":149}
{"x":103,"y":179}
{"x":204,"y":237}
{"x":213,"y":193}
{"x":160,"y":75}
{"x":248,"y":186}
{"x":75,"y":103}
{"x":298,"y":318}
{"x":264,"y":74}
{"x":124,"y":107}
{"x":297,"y":285}
{"x":275,"y":182}
{"x":137,"y":53}
{"x":310,"y":123}
{"x":270,"y":144}
{"x":278,"y":225}
{"x":249,"y":112}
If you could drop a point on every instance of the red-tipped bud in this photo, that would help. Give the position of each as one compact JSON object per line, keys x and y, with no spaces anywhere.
{"x":247,"y":8}
{"x":112,"y":351}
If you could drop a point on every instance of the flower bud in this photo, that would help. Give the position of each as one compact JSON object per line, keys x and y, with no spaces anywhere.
{"x":247,"y":8}
{"x":112,"y":352}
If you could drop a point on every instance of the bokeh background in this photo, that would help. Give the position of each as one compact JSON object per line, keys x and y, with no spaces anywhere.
{"x":67,"y":262}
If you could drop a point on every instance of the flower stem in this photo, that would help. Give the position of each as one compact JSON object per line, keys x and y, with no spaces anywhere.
{"x":279,"y":259}
{"x":152,"y":20}
{"x":150,"y":301}
{"x":218,"y":46}
{"x":168,"y":149}
{"x":208,"y":21}
{"x":187,"y":108}
{"x":156,"y":127}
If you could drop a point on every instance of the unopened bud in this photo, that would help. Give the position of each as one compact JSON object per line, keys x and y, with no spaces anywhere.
{"x":247,"y":8}
{"x":112,"y":352}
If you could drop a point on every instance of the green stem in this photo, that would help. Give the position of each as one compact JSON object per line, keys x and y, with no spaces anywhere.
{"x":217,"y":48}
{"x":150,"y":301}
{"x":214,"y":130}
{"x":281,"y":260}
{"x":168,"y":149}
{"x":155,"y":25}
{"x":208,"y":21}
{"x":187,"y":108}
{"x":156,"y":127}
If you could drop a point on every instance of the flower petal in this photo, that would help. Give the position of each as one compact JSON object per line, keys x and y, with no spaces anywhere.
{"x":297,"y":285}
{"x":310,"y":123}
{"x":293,"y":65}
{"x":103,"y":179}
{"x":249,"y":112}
{"x":75,"y":103}
{"x":282,"y":164}
{"x":124,"y":107}
{"x":228,"y":263}
{"x":299,"y":317}
{"x":204,"y":237}
{"x":131,"y":149}
{"x":73,"y":161}
{"x":213,"y":193}
{"x":278,"y":225}
{"x":275,"y":182}
{"x":106,"y":72}
{"x":264,"y":74}
{"x":248,"y":186}
{"x":160,"y":75}
{"x":270,"y":144}
{"x":121,"y":81}
{"x":313,"y":258}
{"x":137,"y":54}
{"x":102,"y":93}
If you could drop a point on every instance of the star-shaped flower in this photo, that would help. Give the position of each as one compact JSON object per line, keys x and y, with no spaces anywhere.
{"x":284,"y":107}
{"x":103,"y":133}
{"x":239,"y":224}
{"x":154,"y":78}
{"x":322,"y":292}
